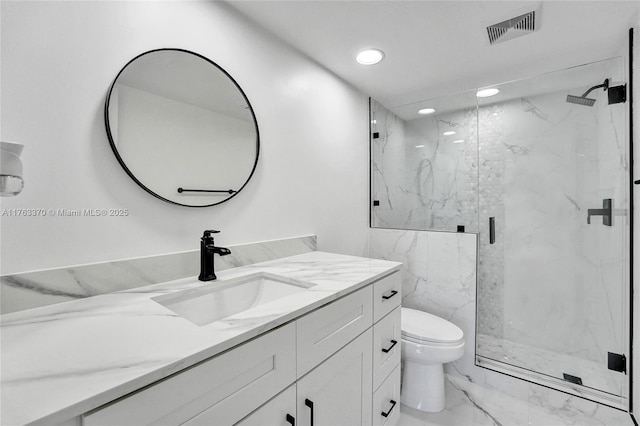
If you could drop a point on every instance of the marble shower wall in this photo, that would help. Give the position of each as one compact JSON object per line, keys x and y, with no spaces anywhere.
{"x":33,"y":289}
{"x":422,"y":178}
{"x":537,"y":164}
{"x":438,"y":276}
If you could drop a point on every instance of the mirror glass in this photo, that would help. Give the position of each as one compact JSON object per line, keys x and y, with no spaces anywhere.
{"x":182,"y":128}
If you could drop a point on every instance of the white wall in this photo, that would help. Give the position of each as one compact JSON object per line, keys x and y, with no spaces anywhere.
{"x":58,"y":60}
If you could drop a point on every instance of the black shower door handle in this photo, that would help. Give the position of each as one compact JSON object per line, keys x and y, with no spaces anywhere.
{"x":492,"y":230}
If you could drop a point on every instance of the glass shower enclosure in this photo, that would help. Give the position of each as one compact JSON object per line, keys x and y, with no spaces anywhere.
{"x":541,"y":172}
{"x":553,"y":276}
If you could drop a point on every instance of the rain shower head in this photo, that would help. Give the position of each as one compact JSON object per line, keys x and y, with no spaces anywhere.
{"x":579,"y":100}
{"x":583,"y":100}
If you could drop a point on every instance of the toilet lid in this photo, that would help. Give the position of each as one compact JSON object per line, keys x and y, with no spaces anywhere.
{"x":418,"y":325}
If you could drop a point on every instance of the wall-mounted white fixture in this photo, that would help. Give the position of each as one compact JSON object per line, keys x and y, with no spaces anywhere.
{"x":458,"y":141}
{"x":370,"y":56}
{"x":11,"y":181}
{"x":426,"y":111}
{"x":485,"y":93}
{"x":449,"y":133}
{"x":419,"y":146}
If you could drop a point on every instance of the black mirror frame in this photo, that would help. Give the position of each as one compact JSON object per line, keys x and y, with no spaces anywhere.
{"x":120,"y":159}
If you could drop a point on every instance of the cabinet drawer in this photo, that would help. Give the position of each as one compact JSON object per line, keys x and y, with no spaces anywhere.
{"x":386,"y":346}
{"x":386,"y":401}
{"x":281,"y":410}
{"x":324,"y":331}
{"x":386,"y":295}
{"x":225,"y":388}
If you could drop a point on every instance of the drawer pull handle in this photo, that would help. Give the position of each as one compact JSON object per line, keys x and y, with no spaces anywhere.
{"x":291,"y":420}
{"x":393,"y":343}
{"x":393,"y":404}
{"x":309,"y":404}
{"x":393,"y":293}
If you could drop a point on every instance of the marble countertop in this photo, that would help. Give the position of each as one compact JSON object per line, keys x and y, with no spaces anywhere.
{"x":60,"y":361}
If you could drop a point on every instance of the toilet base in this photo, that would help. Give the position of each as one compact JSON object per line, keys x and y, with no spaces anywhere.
{"x":423,"y":387}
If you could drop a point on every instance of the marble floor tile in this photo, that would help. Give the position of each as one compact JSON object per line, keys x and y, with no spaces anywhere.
{"x":594,"y":375}
{"x":469,"y":404}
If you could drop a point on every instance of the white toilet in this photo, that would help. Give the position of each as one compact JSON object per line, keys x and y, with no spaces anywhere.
{"x":428,"y":342}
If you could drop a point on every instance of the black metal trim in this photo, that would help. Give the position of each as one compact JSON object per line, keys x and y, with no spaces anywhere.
{"x":631,"y":220}
{"x":617,"y":362}
{"x":549,"y":387}
{"x":120,"y":159}
{"x":572,"y":379}
{"x":228,"y":191}
{"x":492,"y":230}
{"x":370,"y":141}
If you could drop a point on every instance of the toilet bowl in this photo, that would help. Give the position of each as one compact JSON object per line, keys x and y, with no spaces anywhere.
{"x":428,"y":342}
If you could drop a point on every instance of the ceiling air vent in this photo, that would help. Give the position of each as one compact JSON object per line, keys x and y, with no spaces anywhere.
{"x":523,"y":24}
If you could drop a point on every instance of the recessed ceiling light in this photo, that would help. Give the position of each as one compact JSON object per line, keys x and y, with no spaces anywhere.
{"x":449,"y":133}
{"x":370,"y":56}
{"x":425,"y":111}
{"x":419,"y":146}
{"x":458,"y":141}
{"x":485,"y":93}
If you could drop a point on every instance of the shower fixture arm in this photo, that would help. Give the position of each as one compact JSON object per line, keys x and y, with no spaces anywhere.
{"x":604,"y":85}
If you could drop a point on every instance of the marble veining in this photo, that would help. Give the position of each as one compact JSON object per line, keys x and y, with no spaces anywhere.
{"x":469,"y":404}
{"x":594,"y":375}
{"x":550,"y":280}
{"x":62,"y":360}
{"x":438,"y":276}
{"x":40,"y":288}
{"x":422,"y":178}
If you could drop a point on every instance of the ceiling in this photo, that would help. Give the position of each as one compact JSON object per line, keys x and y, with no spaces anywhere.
{"x":436,"y":48}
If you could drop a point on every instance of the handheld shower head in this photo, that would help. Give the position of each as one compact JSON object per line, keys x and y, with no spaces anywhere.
{"x":583,"y":100}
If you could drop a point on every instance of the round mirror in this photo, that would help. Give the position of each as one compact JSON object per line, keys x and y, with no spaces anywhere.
{"x":182,"y":128}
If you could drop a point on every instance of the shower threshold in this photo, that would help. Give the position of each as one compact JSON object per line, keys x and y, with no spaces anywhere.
{"x":547,"y":368}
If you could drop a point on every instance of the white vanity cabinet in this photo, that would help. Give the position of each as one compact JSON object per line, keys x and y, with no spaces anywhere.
{"x":280,"y":410}
{"x":219,"y":391}
{"x":336,"y":365}
{"x":387,"y":338}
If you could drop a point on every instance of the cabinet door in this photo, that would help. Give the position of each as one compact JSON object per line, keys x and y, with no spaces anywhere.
{"x":338,"y":391}
{"x":279,"y":411}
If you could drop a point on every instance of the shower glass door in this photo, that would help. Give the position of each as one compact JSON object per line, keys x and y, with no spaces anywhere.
{"x":553,"y":281}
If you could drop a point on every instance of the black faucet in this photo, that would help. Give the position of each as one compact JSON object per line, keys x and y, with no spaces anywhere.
{"x":207,"y":250}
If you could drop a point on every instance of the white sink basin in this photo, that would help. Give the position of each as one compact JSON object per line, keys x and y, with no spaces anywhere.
{"x":224,"y":298}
